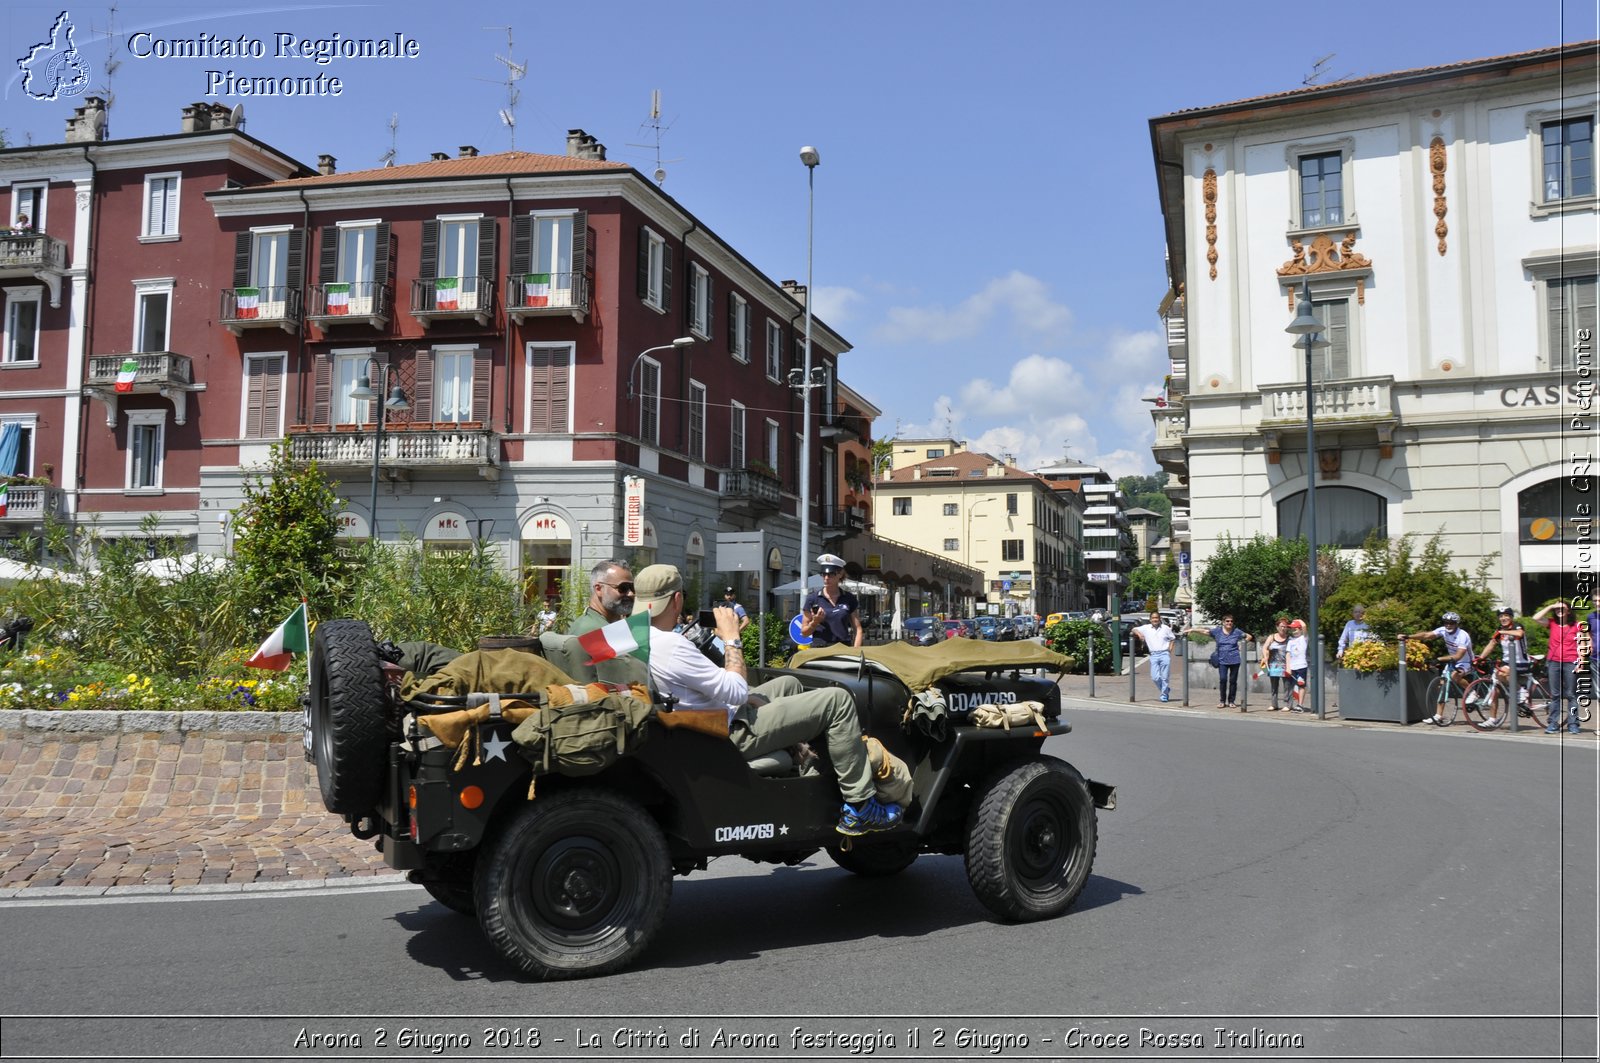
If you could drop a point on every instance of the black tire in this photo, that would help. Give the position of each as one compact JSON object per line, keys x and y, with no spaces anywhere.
{"x":348,"y":740}
{"x":1031,"y":840}
{"x":1439,"y":703}
{"x":575,"y":885}
{"x":1537,"y":708}
{"x":456,"y":896}
{"x":874,"y":859}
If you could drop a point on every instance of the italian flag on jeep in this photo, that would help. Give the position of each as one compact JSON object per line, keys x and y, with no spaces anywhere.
{"x":630,"y":635}
{"x":290,"y":638}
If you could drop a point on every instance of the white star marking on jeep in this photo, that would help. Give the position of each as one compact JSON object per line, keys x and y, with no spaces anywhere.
{"x":495,"y":748}
{"x":784,"y":829}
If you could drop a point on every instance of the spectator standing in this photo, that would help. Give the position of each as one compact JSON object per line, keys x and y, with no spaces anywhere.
{"x":1355,"y":630}
{"x":1275,"y":661}
{"x":832,"y":616}
{"x":1561,"y":664}
{"x":1299,"y":665}
{"x":1230,"y":658}
{"x":730,"y":600}
{"x":1158,"y":639}
{"x":547,"y":617}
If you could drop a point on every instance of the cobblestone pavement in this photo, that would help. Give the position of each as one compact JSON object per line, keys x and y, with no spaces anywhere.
{"x":152,"y":810}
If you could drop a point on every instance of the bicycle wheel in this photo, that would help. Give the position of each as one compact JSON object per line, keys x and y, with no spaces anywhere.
{"x":1537,"y":707}
{"x":1483,"y":703}
{"x":1438,"y":700}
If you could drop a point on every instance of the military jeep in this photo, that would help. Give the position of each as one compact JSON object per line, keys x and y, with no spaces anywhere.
{"x":571,"y":876}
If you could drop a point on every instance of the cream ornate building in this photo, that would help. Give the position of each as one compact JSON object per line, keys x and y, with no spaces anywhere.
{"x":1445,"y":223}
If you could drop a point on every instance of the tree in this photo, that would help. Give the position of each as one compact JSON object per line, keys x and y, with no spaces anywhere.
{"x":1145,"y":492}
{"x":1406,"y":591}
{"x":285,"y":534}
{"x":1253,"y":580}
{"x":1149,"y":582}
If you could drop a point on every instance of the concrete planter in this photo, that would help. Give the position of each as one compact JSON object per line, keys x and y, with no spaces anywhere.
{"x":1375,"y":696}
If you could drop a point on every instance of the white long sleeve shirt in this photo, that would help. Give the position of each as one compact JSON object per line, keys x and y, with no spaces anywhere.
{"x":680,"y":669}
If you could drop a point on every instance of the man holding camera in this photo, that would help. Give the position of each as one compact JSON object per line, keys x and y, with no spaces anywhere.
{"x":775,"y":715}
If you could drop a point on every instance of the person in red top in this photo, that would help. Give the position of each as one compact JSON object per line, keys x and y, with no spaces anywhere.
{"x":1561,"y":662}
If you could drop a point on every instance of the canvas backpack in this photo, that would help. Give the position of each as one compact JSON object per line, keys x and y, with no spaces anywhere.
{"x":584,"y":737}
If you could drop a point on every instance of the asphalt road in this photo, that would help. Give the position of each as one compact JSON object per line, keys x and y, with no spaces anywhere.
{"x":1370,"y":891}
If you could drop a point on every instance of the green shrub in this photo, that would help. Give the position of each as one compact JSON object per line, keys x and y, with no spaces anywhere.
{"x":1070,"y":638}
{"x":776,"y":632}
{"x":1407,"y":591}
{"x":451,"y":597}
{"x":1253,"y":580}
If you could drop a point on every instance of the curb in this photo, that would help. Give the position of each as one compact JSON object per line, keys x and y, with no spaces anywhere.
{"x":64,"y":722}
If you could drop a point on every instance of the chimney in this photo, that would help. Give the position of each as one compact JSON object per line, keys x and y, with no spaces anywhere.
{"x":196,"y":117}
{"x":88,"y":122}
{"x":221,"y":116}
{"x":796,"y":289}
{"x":581,"y":145}
{"x":438,"y":156}
{"x":466,"y":151}
{"x":327,"y":164}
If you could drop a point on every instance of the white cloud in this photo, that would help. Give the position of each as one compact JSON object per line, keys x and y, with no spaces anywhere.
{"x":836,"y":304}
{"x":1037,"y":385}
{"x":1024,"y":299}
{"x":1120,"y":463}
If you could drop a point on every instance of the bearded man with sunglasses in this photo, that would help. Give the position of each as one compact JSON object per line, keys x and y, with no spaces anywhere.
{"x":611,"y":600}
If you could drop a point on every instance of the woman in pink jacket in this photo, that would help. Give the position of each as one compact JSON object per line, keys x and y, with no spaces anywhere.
{"x":1561,"y":662}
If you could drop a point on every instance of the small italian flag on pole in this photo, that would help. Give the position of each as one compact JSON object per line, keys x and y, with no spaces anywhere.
{"x":281,"y":646}
{"x":338,"y":298}
{"x":2,"y":500}
{"x":445,"y":293}
{"x":249,"y":301}
{"x":127,"y":374}
{"x":630,"y":635}
{"x":536,"y":289}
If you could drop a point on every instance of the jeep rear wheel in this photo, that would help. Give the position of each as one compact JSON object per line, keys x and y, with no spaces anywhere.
{"x":1031,"y":840}
{"x":348,"y":742}
{"x":875,"y":859}
{"x":575,"y":885}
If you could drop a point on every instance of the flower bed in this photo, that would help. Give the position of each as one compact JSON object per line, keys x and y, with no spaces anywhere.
{"x":55,"y":679}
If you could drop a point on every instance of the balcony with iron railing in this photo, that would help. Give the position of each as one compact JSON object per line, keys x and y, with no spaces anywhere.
{"x":1169,"y":449}
{"x":751,"y":489}
{"x":1350,"y":405}
{"x":260,"y":307}
{"x":337,"y":303}
{"x":841,"y":520}
{"x":845,"y":426}
{"x":37,"y":255}
{"x":153,"y":373}
{"x":547,"y":295}
{"x":406,"y":446}
{"x":30,"y":503}
{"x":453,"y":299}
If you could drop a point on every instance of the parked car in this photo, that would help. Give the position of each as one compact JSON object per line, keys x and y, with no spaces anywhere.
{"x":1025,"y":625}
{"x":956,"y":629}
{"x":924,"y":631}
{"x":988,"y":628}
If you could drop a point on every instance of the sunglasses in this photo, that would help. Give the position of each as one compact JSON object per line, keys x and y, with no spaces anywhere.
{"x":832,"y":571}
{"x":621,"y":588}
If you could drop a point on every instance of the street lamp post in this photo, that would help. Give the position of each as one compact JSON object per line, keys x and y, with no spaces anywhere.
{"x":810,"y":158}
{"x":678,"y":344}
{"x":396,"y":402}
{"x":1308,"y":328}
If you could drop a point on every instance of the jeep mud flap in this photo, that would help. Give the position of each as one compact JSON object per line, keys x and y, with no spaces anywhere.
{"x":967,"y":757}
{"x":1104,"y":794}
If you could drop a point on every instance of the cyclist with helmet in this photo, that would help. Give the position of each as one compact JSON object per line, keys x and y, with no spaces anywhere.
{"x":1458,"y":650}
{"x":1514,"y":661}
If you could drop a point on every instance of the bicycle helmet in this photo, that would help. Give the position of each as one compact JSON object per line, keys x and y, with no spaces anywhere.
{"x":1507,"y":611}
{"x":1451,"y":617}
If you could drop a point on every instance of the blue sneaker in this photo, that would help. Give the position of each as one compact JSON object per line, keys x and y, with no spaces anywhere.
{"x":874,"y":815}
{"x":1163,"y":697}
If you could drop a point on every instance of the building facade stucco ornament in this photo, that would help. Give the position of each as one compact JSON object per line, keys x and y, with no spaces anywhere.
{"x":1324,"y":256}
{"x":1436,"y":163}
{"x":1209,"y":191}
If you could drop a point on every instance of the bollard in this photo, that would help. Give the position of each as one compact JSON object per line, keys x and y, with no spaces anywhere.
{"x":1405,"y":707}
{"x":1244,"y":677}
{"x":1183,"y":646}
{"x":1133,"y":671}
{"x":1091,"y":664}
{"x":1322,"y":678}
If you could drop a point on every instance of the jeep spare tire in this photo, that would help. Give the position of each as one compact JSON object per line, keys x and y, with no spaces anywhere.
{"x":348,"y":740}
{"x":1031,"y":840}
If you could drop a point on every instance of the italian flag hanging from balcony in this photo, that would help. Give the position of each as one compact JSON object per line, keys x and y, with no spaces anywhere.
{"x":249,"y":301}
{"x":127,"y":374}
{"x":536,"y":289}
{"x":3,"y":501}
{"x":445,"y":293}
{"x":338,"y":298}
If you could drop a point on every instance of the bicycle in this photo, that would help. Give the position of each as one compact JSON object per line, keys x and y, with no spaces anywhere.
{"x":1489,"y":697}
{"x":1443,"y":695}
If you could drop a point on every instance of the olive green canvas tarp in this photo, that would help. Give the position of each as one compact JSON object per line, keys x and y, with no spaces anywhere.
{"x":502,"y":671}
{"x":919,"y":667}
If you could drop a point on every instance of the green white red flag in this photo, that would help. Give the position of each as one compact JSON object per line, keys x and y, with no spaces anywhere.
{"x":248,"y":302}
{"x":445,"y":293}
{"x":628,"y":636}
{"x":3,"y":501}
{"x":536,"y":289}
{"x":290,"y":638}
{"x":338,"y":298}
{"x":127,"y":375}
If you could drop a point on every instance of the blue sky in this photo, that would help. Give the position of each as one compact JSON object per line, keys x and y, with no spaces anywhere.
{"x":987,"y":233}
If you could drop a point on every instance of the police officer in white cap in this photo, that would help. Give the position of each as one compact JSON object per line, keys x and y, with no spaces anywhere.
{"x":832,"y":616}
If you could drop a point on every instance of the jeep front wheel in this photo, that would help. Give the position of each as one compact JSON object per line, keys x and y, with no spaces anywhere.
{"x":575,"y":885}
{"x":348,"y":740}
{"x":1031,"y":840}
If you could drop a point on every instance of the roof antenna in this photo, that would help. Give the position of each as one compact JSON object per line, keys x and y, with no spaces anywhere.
{"x":653,"y":123}
{"x":515,"y":72}
{"x":112,"y":64}
{"x":387,"y":158}
{"x":1319,"y":70}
